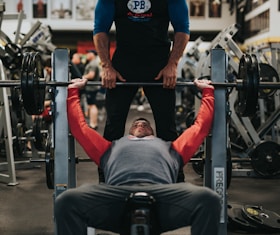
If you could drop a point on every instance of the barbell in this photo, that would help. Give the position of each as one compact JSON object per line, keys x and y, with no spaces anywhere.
{"x":237,"y":84}
{"x":33,"y":84}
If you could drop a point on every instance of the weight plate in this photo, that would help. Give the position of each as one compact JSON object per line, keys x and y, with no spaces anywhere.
{"x":36,"y":72}
{"x":33,"y":94}
{"x":237,"y":222}
{"x":198,"y":167}
{"x":49,"y":158}
{"x":265,"y":219}
{"x":25,"y":93}
{"x":248,"y":94}
{"x":15,"y":99}
{"x":267,"y":74}
{"x":41,"y":91}
{"x":39,"y":138}
{"x":265,"y":159}
{"x":17,"y":132}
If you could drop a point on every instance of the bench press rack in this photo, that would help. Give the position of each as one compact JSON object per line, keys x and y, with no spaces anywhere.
{"x":64,"y":161}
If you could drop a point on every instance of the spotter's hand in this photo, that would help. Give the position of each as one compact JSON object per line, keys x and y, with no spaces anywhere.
{"x":168,"y":75}
{"x":109,"y":77}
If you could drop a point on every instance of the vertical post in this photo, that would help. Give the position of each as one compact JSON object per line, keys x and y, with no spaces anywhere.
{"x":219,"y":134}
{"x":63,"y":172}
{"x":64,"y":148}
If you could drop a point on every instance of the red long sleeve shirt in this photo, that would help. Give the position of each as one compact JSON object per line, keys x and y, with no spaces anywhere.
{"x":131,"y":155}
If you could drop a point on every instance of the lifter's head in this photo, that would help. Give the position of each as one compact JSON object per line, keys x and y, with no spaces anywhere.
{"x":140,"y":128}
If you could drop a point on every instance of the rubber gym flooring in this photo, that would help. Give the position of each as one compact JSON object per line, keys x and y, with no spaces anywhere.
{"x":27,"y":208}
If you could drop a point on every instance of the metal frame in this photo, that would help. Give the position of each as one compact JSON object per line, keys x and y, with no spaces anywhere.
{"x":65,"y":171}
{"x":5,"y":120}
{"x":63,"y":143}
{"x":216,"y":144}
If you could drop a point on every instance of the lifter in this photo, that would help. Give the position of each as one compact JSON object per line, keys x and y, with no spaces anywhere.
{"x":139,"y":162}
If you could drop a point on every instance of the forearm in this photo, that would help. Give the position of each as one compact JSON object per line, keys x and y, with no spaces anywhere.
{"x":190,"y":140}
{"x":102,"y":45}
{"x":179,"y":44}
{"x":91,"y":141}
{"x":89,"y":76}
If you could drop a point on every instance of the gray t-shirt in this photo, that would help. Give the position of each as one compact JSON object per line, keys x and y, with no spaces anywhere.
{"x":93,"y":65}
{"x":147,"y":160}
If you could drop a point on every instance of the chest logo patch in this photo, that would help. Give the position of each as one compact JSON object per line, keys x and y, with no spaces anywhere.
{"x":139,"y":6}
{"x":139,"y":10}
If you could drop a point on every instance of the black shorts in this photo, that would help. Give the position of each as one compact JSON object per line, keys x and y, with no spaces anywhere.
{"x":91,"y":96}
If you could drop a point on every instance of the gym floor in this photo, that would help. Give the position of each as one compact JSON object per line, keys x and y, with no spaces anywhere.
{"x":27,"y":208}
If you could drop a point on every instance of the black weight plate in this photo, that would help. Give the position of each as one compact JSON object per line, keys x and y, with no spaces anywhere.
{"x":265,"y":219}
{"x":265,"y":159}
{"x":237,"y":222}
{"x":30,"y":78}
{"x":24,"y":62}
{"x":256,"y":81}
{"x":25,"y":92}
{"x":24,"y":68}
{"x":17,"y":132}
{"x":267,"y":74}
{"x":39,"y":90}
{"x":33,"y":94}
{"x":49,"y":158}
{"x":198,"y":167}
{"x":39,"y":140}
{"x":15,"y":99}
{"x":248,"y":94}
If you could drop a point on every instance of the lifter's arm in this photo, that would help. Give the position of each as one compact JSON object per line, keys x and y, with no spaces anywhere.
{"x":90,"y":140}
{"x":191,"y":139}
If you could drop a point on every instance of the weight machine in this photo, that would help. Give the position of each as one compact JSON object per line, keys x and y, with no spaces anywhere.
{"x":252,"y":137}
{"x":15,"y":124}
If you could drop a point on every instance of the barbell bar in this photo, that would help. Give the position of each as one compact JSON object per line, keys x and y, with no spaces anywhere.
{"x":33,"y":84}
{"x":237,"y":84}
